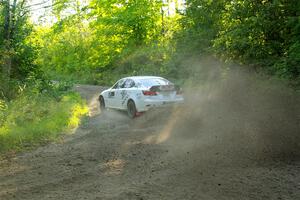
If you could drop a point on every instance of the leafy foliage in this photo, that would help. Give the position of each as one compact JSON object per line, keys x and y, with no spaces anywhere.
{"x":35,"y":118}
{"x":262,"y":34}
{"x":17,"y":54}
{"x":106,"y":36}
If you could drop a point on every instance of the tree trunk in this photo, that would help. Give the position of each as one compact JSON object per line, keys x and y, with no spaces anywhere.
{"x":7,"y":20}
{"x":9,"y":28}
{"x":6,"y":68}
{"x":13,"y":19}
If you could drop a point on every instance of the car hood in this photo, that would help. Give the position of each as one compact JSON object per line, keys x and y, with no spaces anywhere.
{"x":105,"y":91}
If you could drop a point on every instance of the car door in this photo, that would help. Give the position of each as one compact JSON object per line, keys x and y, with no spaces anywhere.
{"x":112,"y":94}
{"x":123,"y":94}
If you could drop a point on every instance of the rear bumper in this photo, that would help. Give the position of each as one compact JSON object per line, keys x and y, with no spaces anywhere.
{"x":149,"y":103}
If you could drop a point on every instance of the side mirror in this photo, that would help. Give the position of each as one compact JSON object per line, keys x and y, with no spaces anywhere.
{"x":111,"y":94}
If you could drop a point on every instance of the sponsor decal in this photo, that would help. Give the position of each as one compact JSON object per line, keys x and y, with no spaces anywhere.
{"x":124,"y":96}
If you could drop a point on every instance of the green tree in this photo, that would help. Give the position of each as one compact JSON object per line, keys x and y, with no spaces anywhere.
{"x":17,"y":54}
{"x":263,"y":33}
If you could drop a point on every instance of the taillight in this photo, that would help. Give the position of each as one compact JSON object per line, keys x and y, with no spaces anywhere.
{"x":149,"y":93}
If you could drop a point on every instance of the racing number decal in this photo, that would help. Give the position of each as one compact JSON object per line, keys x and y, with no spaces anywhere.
{"x":124,"y":97}
{"x":123,"y":93}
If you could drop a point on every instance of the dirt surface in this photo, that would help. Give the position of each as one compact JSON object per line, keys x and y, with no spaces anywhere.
{"x":174,"y":153}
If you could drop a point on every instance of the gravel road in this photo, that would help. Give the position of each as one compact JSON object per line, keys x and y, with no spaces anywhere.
{"x":174,"y":153}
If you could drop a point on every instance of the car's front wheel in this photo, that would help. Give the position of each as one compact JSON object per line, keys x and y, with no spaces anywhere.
{"x":102,"y":103}
{"x":131,"y":109}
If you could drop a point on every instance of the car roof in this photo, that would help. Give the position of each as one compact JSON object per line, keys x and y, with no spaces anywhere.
{"x":142,"y":77}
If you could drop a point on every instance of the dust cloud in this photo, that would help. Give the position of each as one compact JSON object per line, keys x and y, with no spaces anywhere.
{"x":231,"y":112}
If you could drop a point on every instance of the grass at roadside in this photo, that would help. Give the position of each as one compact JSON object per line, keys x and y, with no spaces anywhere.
{"x":34,"y":119}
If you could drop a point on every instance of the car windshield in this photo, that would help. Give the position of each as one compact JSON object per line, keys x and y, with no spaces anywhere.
{"x":149,"y":82}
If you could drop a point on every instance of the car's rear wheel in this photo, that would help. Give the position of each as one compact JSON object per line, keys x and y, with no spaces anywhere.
{"x":102,"y":103}
{"x":131,"y":109}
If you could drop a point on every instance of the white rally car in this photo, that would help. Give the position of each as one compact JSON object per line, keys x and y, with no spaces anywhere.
{"x":138,"y":94}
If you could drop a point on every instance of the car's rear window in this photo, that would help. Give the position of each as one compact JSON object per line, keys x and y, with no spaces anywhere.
{"x":149,"y":82}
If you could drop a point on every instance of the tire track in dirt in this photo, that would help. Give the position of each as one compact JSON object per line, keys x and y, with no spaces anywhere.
{"x":152,"y":157}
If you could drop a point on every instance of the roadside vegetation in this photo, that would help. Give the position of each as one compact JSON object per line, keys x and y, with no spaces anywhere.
{"x":97,"y":42}
{"x":34,"y":118}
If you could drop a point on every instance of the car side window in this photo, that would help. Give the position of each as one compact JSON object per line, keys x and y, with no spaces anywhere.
{"x":118,"y":84}
{"x":129,"y":83}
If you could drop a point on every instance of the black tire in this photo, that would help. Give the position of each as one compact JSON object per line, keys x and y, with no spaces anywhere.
{"x":131,"y":109}
{"x":102,"y":103}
